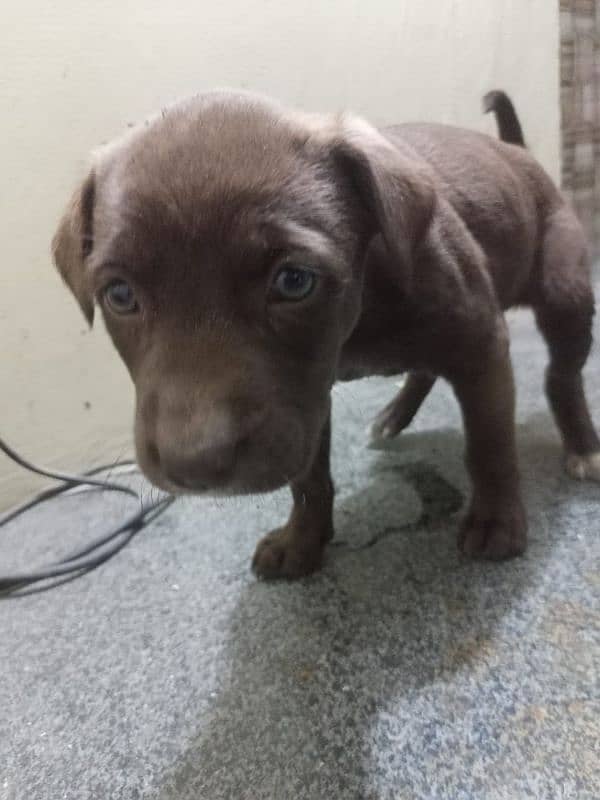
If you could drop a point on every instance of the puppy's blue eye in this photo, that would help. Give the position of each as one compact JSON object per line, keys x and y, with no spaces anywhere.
{"x":294,"y":282}
{"x":120,"y":298}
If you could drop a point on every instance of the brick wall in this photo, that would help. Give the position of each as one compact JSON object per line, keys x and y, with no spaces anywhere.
{"x":580,"y":101}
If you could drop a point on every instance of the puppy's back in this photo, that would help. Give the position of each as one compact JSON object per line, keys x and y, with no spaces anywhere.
{"x":501,"y":193}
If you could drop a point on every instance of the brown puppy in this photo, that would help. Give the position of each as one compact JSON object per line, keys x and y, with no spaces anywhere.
{"x":245,"y":257}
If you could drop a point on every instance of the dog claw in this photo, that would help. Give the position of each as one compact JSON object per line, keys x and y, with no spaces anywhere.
{"x":388,"y":423}
{"x":377,"y":432}
{"x":280,"y":555}
{"x":583,"y":467}
{"x":494,"y":537}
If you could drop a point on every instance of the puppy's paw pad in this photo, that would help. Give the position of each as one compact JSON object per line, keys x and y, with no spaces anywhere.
{"x":493,"y":539}
{"x":583,"y":467}
{"x":277,"y":555}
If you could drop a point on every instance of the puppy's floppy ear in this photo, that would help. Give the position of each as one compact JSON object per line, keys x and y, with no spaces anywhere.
{"x":394,"y":190}
{"x":73,"y":242}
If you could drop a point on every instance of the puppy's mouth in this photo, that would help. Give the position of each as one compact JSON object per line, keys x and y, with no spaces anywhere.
{"x":229,"y":488}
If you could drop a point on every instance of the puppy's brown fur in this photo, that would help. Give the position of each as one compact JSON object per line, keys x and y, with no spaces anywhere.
{"x":420,"y":237}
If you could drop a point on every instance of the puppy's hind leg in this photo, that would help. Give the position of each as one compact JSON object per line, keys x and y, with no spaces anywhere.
{"x":398,"y":414}
{"x":564,"y":312}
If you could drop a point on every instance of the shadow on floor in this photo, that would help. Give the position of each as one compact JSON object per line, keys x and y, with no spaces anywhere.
{"x":394,"y":614}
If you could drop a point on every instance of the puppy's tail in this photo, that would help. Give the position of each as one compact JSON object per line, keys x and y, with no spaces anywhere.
{"x":509,"y":127}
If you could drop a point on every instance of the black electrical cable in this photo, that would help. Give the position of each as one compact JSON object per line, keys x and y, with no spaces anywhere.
{"x":92,"y":555}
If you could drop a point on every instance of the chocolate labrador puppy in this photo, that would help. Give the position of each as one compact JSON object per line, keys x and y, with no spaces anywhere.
{"x":245,"y":257}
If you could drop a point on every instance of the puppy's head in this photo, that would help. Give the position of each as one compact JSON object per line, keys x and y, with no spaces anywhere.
{"x":224,"y":243}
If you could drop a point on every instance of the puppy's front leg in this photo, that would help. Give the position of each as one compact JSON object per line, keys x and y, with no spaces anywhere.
{"x":297,"y":548}
{"x":496,"y":524}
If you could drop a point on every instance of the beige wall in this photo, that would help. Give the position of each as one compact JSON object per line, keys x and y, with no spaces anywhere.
{"x":73,"y":74}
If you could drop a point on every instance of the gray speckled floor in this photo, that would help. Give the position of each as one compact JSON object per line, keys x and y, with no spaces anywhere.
{"x":400,"y":671}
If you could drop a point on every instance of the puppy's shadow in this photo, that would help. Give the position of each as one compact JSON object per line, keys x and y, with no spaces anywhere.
{"x":312,"y":666}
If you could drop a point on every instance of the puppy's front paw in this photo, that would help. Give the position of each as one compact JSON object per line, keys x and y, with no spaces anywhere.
{"x":284,"y":554}
{"x":496,"y":536}
{"x":584,"y":467}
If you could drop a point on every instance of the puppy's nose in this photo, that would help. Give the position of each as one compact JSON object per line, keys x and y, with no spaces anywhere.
{"x":206,"y":458}
{"x":204,"y":468}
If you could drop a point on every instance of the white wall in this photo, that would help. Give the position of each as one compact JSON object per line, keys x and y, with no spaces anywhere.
{"x":74,"y":74}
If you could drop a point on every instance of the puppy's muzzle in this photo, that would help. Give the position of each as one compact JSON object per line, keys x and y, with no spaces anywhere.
{"x":207,"y":456}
